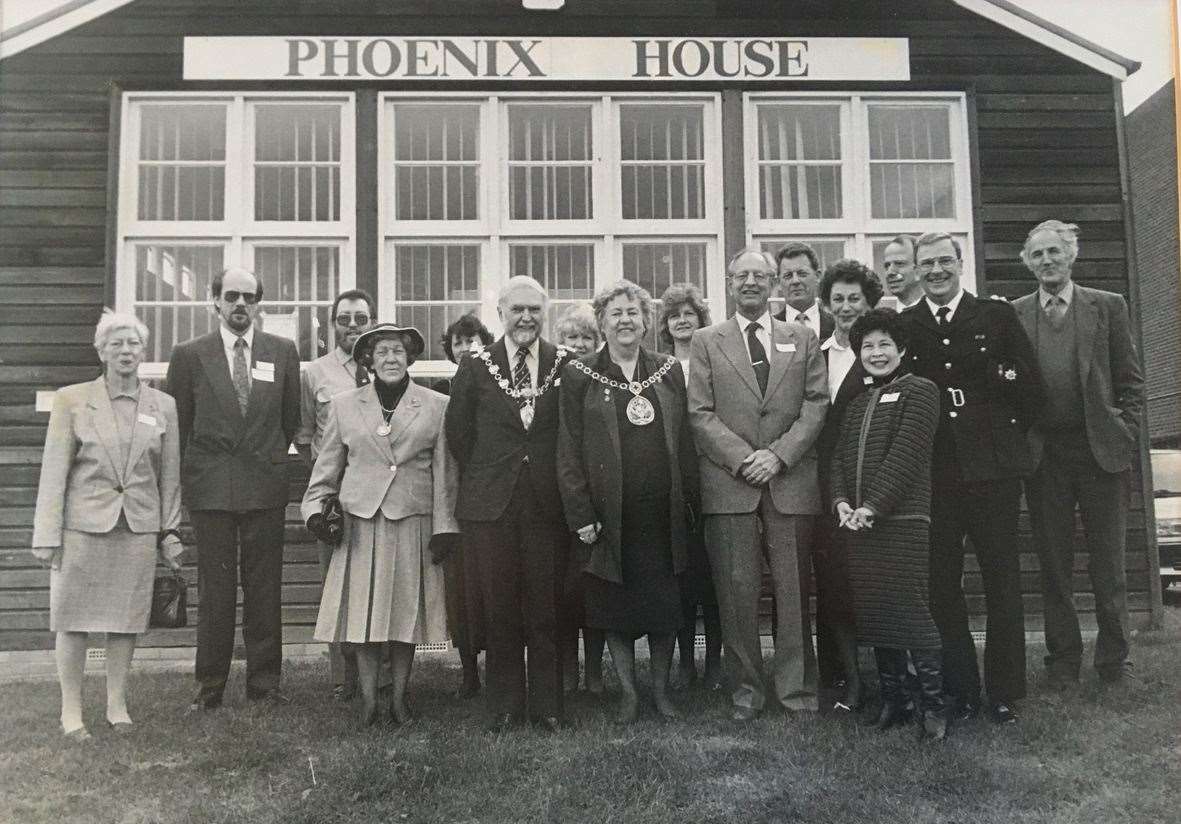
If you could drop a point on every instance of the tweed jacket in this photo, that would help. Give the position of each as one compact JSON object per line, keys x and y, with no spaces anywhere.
{"x":85,"y":485}
{"x":230,"y":461}
{"x":407,"y":472}
{"x":731,"y":418}
{"x":590,"y":463}
{"x":492,"y":445}
{"x":883,"y":458}
{"x":1109,"y":373}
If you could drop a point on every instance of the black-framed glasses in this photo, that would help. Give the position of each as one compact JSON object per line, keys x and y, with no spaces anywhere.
{"x":945,"y":262}
{"x":353,"y":318}
{"x":233,"y":296}
{"x":759,"y":277}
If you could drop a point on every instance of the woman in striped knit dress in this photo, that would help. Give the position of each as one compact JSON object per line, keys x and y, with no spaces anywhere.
{"x":881,"y":494}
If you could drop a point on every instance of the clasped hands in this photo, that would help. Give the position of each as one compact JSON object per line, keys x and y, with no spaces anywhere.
{"x":854,"y":519}
{"x":759,"y":467}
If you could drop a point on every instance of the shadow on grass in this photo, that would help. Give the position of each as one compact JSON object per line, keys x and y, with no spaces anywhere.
{"x":1088,"y":756}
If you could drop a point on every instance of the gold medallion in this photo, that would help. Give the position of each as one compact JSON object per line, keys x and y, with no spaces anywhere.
{"x":640,"y":411}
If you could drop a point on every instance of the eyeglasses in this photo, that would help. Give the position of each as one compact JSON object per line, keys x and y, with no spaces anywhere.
{"x":945,"y":262}
{"x":759,"y":277}
{"x":232,"y":296}
{"x":355,"y":318}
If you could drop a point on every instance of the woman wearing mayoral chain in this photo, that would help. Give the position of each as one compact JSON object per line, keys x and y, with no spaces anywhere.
{"x":627,"y":471}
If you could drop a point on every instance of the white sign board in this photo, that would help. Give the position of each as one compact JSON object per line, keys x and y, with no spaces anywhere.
{"x":464,"y":58}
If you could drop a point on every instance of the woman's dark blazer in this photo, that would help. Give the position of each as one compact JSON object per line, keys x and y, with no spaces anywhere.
{"x":590,"y":475}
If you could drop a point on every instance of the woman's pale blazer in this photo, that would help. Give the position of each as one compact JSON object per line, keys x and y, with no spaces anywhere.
{"x":85,"y":485}
{"x":407,"y":472}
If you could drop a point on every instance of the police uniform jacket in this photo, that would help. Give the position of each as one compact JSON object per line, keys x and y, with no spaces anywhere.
{"x":989,"y":387}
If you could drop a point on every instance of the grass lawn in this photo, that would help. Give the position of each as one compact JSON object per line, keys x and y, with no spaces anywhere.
{"x":1099,"y":756}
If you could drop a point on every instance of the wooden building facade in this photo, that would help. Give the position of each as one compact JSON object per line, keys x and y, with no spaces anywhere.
{"x":426,"y":151}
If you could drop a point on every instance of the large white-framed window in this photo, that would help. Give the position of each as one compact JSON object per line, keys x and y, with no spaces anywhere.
{"x":576,"y":190}
{"x":846,"y":173}
{"x":210,"y":180}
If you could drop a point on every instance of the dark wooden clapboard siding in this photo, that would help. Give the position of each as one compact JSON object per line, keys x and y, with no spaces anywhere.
{"x":1045,"y":143}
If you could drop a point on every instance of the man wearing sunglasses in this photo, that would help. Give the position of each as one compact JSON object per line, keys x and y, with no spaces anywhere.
{"x":324,"y":378}
{"x":976,"y":352}
{"x":237,"y":403}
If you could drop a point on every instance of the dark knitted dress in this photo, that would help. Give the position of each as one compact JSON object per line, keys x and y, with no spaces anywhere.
{"x":883,"y":461}
{"x":649,"y":600}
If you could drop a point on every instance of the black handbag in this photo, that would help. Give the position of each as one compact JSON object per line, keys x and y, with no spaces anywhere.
{"x":170,"y":601}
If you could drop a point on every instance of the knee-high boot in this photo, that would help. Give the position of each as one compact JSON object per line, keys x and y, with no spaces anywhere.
{"x":933,"y":707}
{"x":891,"y":663}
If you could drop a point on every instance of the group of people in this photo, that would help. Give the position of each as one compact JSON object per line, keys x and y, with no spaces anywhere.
{"x":599,"y":483}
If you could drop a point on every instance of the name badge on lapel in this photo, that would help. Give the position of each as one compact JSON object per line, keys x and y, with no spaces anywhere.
{"x":265,"y":366}
{"x":146,"y":419}
{"x":889,"y":397}
{"x":785,"y":347}
{"x":263,"y":375}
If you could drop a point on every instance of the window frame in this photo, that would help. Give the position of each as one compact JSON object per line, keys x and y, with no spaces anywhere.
{"x":856,"y":227}
{"x":607,"y":231}
{"x":238,"y":233}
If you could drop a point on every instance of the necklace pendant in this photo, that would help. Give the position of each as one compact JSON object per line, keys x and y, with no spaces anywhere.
{"x":640,"y":411}
{"x":527,"y":415}
{"x":635,"y":387}
{"x":384,"y":430}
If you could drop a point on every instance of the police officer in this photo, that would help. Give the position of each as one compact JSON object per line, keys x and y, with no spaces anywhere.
{"x":977,"y":353}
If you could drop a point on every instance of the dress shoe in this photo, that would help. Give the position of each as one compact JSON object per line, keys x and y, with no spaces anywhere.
{"x":1002,"y":713}
{"x":933,"y":725}
{"x":205,"y":704}
{"x":470,"y":687}
{"x":1118,"y":674}
{"x":743,"y":714}
{"x":967,"y":711}
{"x":502,"y":723}
{"x":77,"y":735}
{"x":628,"y":711}
{"x":120,"y":727}
{"x":271,"y":696}
{"x":344,"y":692}
{"x":399,"y":712}
{"x":550,"y":723}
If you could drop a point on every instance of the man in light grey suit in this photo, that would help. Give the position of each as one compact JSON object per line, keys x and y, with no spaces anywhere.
{"x":1083,"y":446}
{"x":758,"y":391}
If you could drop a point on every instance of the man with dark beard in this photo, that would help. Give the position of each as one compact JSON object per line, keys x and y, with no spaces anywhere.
{"x":237,"y":405}
{"x":502,"y":428}
{"x":325,"y":377}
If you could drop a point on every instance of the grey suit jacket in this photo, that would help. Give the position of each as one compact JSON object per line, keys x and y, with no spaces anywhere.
{"x":231,"y":461}
{"x":407,"y":472}
{"x":1109,"y":371}
{"x":731,"y":418}
{"x":84,"y":483}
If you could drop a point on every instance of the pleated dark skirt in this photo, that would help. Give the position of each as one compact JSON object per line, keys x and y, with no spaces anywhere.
{"x":889,"y":568}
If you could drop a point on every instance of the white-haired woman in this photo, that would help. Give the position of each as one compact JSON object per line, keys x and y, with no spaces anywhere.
{"x":108,"y":505}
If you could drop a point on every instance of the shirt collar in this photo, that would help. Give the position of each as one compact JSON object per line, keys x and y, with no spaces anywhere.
{"x":342,"y":357}
{"x":112,"y":393}
{"x":511,"y":349}
{"x":764,"y":320}
{"x":1067,"y":295}
{"x":228,"y":337}
{"x":831,"y":343}
{"x":952,"y":305}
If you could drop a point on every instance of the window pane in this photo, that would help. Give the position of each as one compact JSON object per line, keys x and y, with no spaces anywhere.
{"x":175,"y":280}
{"x":657,"y":266}
{"x":436,"y":154}
{"x":549,"y":162}
{"x":663,"y":172}
{"x":567,"y":271}
{"x":297,"y":162}
{"x":299,"y":275}
{"x":799,"y":162}
{"x":182,"y":150}
{"x":434,"y":284}
{"x":917,"y":188}
{"x":829,"y":251}
{"x":432,"y":321}
{"x":912,"y":190}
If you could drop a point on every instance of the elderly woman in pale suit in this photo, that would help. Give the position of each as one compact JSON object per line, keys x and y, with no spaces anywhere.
{"x":108,"y":504}
{"x":384,"y":455}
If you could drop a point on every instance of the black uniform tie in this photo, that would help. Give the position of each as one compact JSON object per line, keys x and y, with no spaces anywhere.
{"x":941,"y":313}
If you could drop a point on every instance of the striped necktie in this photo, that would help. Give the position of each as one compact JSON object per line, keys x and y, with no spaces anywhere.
{"x":241,"y":375}
{"x":521,"y":378}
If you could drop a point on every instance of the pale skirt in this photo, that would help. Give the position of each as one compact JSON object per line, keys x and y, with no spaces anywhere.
{"x":105,"y":583}
{"x":382,"y":586}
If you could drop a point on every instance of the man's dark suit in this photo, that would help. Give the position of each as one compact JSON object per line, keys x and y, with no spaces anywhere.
{"x":515,"y":537}
{"x":1088,"y":466}
{"x":234,"y":484}
{"x":991,"y":394}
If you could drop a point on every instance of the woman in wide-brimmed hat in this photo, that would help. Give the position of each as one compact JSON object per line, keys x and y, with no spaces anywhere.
{"x":385,"y":457}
